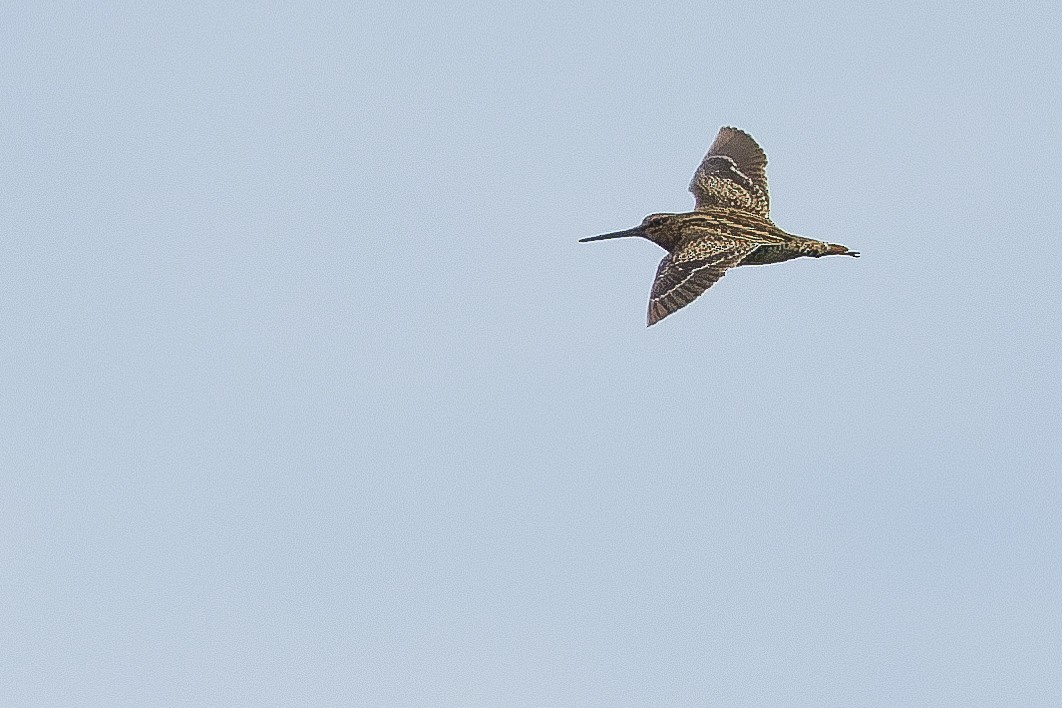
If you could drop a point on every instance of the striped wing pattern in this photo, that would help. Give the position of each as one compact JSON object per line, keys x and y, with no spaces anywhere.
{"x":732,"y":175}
{"x":683,"y":275}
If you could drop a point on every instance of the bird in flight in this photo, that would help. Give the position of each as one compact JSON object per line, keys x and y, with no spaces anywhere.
{"x":728,"y":227}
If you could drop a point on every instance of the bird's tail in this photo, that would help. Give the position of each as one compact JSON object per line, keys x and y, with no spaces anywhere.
{"x":836,"y":249}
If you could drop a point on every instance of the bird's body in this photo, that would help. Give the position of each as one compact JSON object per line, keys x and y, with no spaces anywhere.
{"x":729,"y":227}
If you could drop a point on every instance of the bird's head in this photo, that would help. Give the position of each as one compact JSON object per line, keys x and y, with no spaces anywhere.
{"x":654,"y":223}
{"x":661,"y":229}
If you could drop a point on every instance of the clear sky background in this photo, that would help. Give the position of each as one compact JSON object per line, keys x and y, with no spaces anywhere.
{"x":310,"y":396}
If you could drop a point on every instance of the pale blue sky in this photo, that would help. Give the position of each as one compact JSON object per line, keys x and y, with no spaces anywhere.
{"x":312,"y":398}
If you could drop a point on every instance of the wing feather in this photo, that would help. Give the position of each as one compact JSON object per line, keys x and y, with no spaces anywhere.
{"x":679,"y":281}
{"x":732,"y":175}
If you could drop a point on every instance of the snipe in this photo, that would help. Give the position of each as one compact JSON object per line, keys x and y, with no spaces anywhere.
{"x":728,"y":227}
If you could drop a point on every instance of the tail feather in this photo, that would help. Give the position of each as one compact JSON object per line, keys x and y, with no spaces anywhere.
{"x":836,"y":249}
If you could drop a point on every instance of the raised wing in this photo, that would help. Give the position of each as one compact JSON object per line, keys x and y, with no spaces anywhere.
{"x":732,"y":175}
{"x":683,"y":275}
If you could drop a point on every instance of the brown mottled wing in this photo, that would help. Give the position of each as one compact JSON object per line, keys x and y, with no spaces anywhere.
{"x":689,"y":271}
{"x":732,"y":174}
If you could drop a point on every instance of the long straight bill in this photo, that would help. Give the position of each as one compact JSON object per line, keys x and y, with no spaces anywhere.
{"x":636,"y":231}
